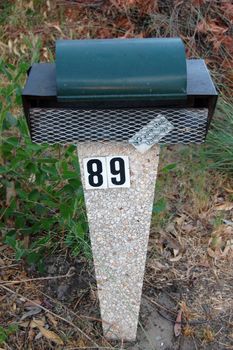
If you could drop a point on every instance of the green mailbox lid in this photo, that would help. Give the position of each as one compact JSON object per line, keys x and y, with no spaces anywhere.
{"x":121,"y":69}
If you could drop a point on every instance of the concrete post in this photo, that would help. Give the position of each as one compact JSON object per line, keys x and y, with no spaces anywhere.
{"x":119,"y":223}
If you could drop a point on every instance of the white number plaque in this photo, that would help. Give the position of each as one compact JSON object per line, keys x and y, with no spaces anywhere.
{"x":106,"y":172}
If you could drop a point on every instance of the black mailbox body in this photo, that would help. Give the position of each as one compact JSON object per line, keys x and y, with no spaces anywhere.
{"x":53,"y":119}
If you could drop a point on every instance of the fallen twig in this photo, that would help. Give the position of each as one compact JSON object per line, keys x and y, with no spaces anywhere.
{"x":159,"y":305}
{"x":79,"y":316}
{"x":69,"y":274}
{"x":52,"y":313}
{"x":8,"y":266}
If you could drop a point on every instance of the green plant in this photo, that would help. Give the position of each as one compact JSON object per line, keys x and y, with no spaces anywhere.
{"x":161,"y":212}
{"x":6,"y":332}
{"x":159,"y":206}
{"x":219,"y":148}
{"x":43,"y":206}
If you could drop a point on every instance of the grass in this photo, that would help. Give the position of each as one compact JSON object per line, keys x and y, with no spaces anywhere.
{"x":220,"y":139}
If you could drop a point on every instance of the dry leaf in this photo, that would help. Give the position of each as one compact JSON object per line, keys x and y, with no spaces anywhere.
{"x":175,"y":252}
{"x":26,"y":241}
{"x":31,"y":334}
{"x":214,"y":28}
{"x":80,"y":344}
{"x":31,"y":303}
{"x":30,"y":5}
{"x":228,"y":10}
{"x":220,"y":243}
{"x":10,"y":45}
{"x":32,"y":312}
{"x":211,"y":253}
{"x":55,"y":26}
{"x":176,"y":258}
{"x":38,"y":336}
{"x":208,"y":335}
{"x":228,"y":247}
{"x":202,"y":26}
{"x":10,"y":193}
{"x":204,"y":262}
{"x":170,"y":241}
{"x":180,"y":219}
{"x":156,"y":265}
{"x":226,"y":206}
{"x":177,"y":326}
{"x":50,"y":335}
{"x":227,"y":41}
{"x":188,"y":331}
{"x":32,"y":324}
{"x":211,"y":26}
{"x":51,"y":319}
{"x":188,"y":228}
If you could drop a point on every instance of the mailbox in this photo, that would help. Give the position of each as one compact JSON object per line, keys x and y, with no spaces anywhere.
{"x":118,"y":99}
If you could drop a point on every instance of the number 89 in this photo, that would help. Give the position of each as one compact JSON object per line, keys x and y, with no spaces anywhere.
{"x":106,"y":172}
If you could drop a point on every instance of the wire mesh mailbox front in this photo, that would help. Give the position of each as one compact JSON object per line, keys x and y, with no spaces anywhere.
{"x":116,"y":125}
{"x":106,"y":96}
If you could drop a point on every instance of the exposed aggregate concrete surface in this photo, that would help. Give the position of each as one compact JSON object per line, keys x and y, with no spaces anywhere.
{"x":119,"y":223}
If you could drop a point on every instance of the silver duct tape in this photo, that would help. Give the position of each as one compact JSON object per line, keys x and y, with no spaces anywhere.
{"x":151,"y":133}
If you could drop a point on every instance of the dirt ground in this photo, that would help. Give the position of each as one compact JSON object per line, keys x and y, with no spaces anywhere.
{"x":73,"y":300}
{"x":188,"y":284}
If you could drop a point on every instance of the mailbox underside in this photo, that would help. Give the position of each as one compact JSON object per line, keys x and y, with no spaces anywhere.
{"x":51,"y":121}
